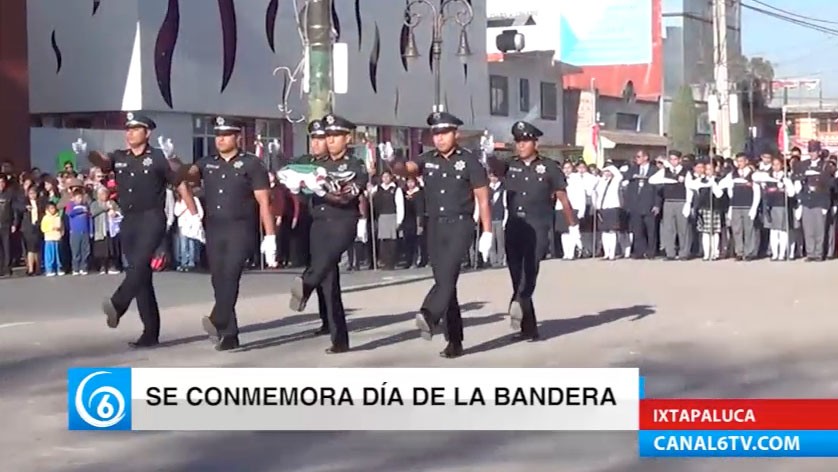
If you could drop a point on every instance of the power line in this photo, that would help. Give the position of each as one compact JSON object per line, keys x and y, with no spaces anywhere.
{"x":791,"y":13}
{"x":792,"y":20}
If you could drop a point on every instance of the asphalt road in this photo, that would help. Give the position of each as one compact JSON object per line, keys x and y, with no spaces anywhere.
{"x":27,"y":299}
{"x":696,"y":330}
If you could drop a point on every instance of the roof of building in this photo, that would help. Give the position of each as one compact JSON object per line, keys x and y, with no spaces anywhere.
{"x":632,"y":138}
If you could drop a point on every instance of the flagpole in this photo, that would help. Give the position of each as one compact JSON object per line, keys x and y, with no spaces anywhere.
{"x":784,"y":134}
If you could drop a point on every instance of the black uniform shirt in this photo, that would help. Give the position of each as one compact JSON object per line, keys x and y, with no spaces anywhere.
{"x":321,"y":208}
{"x":530,"y":187}
{"x":449,"y":183}
{"x":229,"y":186}
{"x":141,"y":180}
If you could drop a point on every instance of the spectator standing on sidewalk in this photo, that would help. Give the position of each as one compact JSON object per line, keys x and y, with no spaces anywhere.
{"x":30,"y":227}
{"x":188,"y":247}
{"x":8,"y":224}
{"x":80,"y":223}
{"x":52,"y":225}
{"x":106,"y":258}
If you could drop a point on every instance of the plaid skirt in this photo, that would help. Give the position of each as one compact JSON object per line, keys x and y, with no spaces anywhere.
{"x":709,"y":221}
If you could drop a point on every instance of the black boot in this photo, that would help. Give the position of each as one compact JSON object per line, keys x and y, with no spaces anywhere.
{"x":144,"y":341}
{"x":227,"y":343}
{"x":452,"y":350}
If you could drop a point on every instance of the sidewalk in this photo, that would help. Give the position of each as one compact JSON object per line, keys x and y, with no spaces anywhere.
{"x":694,"y":329}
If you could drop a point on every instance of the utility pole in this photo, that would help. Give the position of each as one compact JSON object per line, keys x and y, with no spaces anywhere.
{"x":318,"y":24}
{"x":721,"y":76}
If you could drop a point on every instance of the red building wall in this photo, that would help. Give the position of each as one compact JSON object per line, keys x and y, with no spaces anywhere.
{"x":612,"y":79}
{"x":14,"y":84}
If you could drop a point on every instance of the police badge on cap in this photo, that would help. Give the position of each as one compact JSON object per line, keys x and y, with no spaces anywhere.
{"x":442,"y":122}
{"x":338,"y":125}
{"x":316,"y":129}
{"x":135,"y":120}
{"x":225,"y":125}
{"x":523,"y":131}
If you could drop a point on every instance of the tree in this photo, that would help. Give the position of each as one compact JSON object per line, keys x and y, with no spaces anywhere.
{"x":756,"y":72}
{"x":683,"y":118}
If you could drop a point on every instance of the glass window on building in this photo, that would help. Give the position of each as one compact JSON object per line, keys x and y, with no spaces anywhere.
{"x":825,"y":125}
{"x":628,"y":121}
{"x":498,"y":95}
{"x":524,"y":95}
{"x":203,"y":137}
{"x":549,"y":101}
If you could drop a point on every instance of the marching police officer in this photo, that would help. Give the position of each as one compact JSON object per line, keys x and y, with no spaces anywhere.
{"x":334,"y":228}
{"x":532,"y":184}
{"x":237,"y":191}
{"x":318,"y":152}
{"x":454,"y":178}
{"x":142,"y":173}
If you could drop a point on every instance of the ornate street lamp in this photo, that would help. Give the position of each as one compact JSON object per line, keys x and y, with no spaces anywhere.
{"x":458,"y":10}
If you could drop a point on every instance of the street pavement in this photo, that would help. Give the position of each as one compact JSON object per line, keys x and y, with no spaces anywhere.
{"x":695,"y":329}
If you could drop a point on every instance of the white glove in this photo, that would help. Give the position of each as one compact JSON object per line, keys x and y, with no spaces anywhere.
{"x":361,"y":231}
{"x":580,"y":214}
{"x":574,"y":234}
{"x":824,"y":211}
{"x":686,"y":211}
{"x":798,"y":213}
{"x":268,"y":248}
{"x":484,"y":245}
{"x":729,"y":215}
{"x":752,"y":214}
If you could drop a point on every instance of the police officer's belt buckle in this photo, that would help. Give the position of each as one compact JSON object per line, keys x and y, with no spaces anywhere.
{"x":521,"y":214}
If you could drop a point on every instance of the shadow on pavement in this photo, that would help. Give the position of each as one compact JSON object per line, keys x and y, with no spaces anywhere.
{"x":553,"y":328}
{"x":413,"y":333}
{"x":687,"y":371}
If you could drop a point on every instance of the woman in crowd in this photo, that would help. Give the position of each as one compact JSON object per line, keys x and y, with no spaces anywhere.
{"x":31,"y":230}
{"x":105,"y":255}
{"x":608,"y":202}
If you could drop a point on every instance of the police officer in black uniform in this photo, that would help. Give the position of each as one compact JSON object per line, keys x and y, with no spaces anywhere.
{"x":454,"y":178}
{"x":142,"y":173}
{"x":237,"y":191}
{"x":533,"y":183}
{"x":333,"y":230}
{"x":318,"y":152}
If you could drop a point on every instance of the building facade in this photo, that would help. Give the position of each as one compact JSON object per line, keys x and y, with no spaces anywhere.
{"x":14,"y":84}
{"x":624,"y":126}
{"x":185,"y":61}
{"x":688,"y":56}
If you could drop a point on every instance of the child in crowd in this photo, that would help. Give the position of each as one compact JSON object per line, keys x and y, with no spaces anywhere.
{"x":188,"y":248}
{"x":52,"y":227}
{"x":80,"y":225}
{"x":105,"y":252}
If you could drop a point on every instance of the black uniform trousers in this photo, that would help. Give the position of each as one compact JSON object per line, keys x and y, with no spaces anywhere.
{"x":449,"y":240}
{"x":229,"y":247}
{"x":330,"y":238}
{"x":644,"y":229}
{"x":527,"y":240}
{"x":5,"y":250}
{"x":140,"y":234}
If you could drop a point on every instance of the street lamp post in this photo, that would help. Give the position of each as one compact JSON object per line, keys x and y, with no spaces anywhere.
{"x":458,"y":10}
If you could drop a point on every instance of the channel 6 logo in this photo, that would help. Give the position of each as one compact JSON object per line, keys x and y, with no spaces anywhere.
{"x":99,"y":398}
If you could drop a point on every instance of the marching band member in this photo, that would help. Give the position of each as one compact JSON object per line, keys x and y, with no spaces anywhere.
{"x":776,"y":188}
{"x":609,"y":209}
